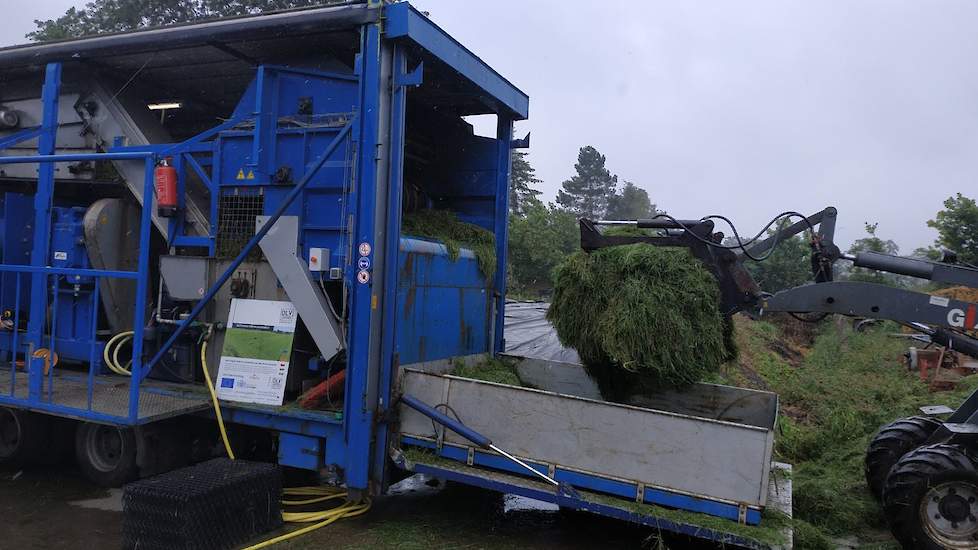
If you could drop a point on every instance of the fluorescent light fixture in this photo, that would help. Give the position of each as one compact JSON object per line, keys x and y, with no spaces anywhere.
{"x":164,"y":106}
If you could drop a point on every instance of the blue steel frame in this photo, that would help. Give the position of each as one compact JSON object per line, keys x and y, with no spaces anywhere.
{"x":358,"y":410}
{"x":41,"y":273}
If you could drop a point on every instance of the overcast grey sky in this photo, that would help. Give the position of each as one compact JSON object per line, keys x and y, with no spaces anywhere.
{"x":741,"y":108}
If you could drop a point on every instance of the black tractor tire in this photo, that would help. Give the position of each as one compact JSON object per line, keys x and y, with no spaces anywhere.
{"x":23,"y":436}
{"x":890,"y":443}
{"x":106,"y":454}
{"x":930,"y":498}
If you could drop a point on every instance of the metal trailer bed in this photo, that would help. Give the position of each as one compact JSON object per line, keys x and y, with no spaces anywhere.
{"x":305,"y":134}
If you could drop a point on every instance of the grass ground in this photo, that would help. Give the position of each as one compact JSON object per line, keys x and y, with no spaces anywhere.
{"x":836,"y":387}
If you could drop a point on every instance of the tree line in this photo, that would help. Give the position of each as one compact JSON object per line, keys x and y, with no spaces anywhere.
{"x":542,"y":235}
{"x":104,"y":16}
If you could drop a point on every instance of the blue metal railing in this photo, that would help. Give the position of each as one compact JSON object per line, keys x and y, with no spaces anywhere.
{"x":41,"y":275}
{"x":141,"y":276}
{"x":36,"y":364}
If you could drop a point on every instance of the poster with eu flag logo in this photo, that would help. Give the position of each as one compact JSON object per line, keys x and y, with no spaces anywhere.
{"x":257,"y":348}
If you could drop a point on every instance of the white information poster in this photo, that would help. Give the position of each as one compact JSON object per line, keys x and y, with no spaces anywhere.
{"x":257,"y":348}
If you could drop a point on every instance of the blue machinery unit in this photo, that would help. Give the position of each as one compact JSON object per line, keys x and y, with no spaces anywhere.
{"x":322,"y":126}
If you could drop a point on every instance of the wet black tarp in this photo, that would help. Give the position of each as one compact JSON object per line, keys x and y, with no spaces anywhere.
{"x":529,"y":334}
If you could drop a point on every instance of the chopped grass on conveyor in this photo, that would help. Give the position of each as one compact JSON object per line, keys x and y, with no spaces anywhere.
{"x":641,"y":317}
{"x":444,"y":226}
{"x":490,"y":370}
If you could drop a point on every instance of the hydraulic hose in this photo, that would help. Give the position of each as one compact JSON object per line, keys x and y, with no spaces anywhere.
{"x":110,"y":355}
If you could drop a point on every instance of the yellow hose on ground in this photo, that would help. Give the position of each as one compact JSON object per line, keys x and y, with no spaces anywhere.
{"x":318,"y":518}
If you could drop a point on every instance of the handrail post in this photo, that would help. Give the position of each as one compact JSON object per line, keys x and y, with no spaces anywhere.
{"x":142,"y":287}
{"x":42,"y":227}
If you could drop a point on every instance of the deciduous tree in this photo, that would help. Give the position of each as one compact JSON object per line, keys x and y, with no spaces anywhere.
{"x":538,"y":241}
{"x":632,"y":203}
{"x":957,"y":227}
{"x":873,"y":243}
{"x":103,"y":16}
{"x":789,"y":265}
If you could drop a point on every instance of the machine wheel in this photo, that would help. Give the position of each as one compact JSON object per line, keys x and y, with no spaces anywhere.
{"x":892,"y":442}
{"x":106,"y":454}
{"x":931,"y":498}
{"x":22,"y":435}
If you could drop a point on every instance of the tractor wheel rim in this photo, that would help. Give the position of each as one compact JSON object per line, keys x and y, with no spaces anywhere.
{"x":9,"y":433}
{"x":949,"y":514}
{"x":105,"y":448}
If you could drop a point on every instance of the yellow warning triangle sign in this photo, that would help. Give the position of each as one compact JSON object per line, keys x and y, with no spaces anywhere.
{"x":241,"y":175}
{"x":251,"y":174}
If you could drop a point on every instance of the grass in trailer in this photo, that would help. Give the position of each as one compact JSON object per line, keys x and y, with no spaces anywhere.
{"x":490,"y":370}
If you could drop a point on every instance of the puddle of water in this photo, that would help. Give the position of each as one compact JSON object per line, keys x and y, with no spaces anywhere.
{"x":418,"y":484}
{"x":518,"y":504}
{"x":110,"y":503}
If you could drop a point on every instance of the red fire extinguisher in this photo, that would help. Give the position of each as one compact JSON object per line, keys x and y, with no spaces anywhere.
{"x":166,"y":188}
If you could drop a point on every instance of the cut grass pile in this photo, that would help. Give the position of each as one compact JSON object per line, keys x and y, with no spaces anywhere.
{"x":640,"y":317}
{"x":444,"y":226}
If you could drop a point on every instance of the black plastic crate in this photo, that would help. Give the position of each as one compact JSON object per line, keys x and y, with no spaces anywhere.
{"x":213,"y":505}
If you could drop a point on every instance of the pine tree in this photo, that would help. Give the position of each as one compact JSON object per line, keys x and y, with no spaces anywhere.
{"x":521,"y":176}
{"x":588,"y":193}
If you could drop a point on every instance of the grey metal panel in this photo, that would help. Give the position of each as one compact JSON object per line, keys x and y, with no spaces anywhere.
{"x":716,"y":459}
{"x":262,"y":283}
{"x":70,"y":137}
{"x":122,"y":116}
{"x":186,"y":277}
{"x":716,"y":402}
{"x":279,"y":246}
{"x":712,"y":401}
{"x":557,"y":376}
{"x":90,"y":131}
{"x":112,"y":241}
